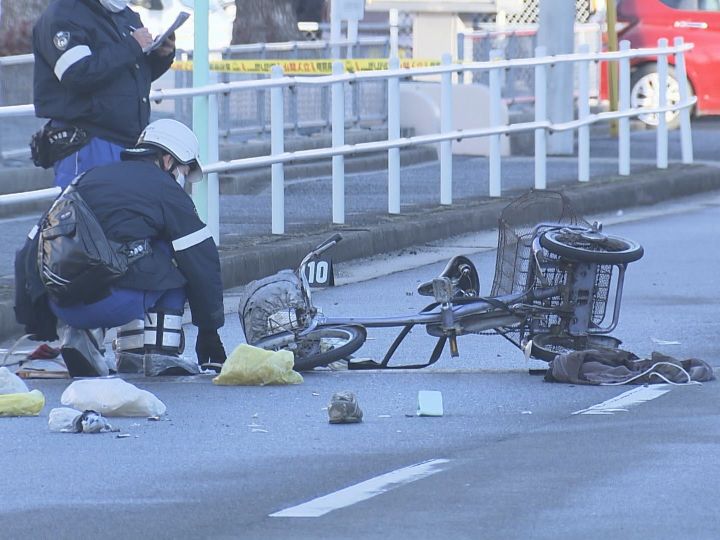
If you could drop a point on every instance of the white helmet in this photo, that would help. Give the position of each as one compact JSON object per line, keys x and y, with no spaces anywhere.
{"x":176,"y":139}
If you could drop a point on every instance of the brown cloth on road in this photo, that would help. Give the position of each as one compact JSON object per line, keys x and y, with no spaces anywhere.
{"x":615,"y":366}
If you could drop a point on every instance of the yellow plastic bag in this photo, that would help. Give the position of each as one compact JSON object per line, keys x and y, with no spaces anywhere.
{"x":252,"y":366}
{"x":22,"y":404}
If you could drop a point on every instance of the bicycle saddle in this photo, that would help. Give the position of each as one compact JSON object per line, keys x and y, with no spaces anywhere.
{"x":464,"y":276}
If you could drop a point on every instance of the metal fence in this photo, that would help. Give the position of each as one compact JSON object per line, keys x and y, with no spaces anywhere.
{"x":307,"y":108}
{"x":16,"y":82}
{"x":243,"y":114}
{"x":540,"y":126}
{"x":520,"y":41}
{"x":584,"y":10}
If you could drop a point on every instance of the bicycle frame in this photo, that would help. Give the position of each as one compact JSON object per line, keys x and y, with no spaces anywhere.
{"x":444,"y":320}
{"x":552,"y":280}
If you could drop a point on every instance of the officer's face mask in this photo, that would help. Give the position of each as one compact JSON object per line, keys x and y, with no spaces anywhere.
{"x":173,"y":168}
{"x":180,"y":178}
{"x":116,"y":6}
{"x":179,"y":171}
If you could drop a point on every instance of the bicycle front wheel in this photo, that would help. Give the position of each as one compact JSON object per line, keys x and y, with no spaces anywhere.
{"x":327,"y":344}
{"x":546,"y":346}
{"x":592,"y":247}
{"x":320,"y":347}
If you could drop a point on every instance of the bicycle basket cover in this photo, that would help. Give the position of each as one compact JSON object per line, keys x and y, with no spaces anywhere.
{"x":271,"y":305}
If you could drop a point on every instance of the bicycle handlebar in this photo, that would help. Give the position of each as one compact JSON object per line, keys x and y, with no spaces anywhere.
{"x":321,"y":248}
{"x":327,"y":244}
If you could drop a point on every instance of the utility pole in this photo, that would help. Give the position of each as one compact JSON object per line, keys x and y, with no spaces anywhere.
{"x":556,"y":32}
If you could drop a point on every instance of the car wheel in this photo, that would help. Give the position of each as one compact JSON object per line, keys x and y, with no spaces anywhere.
{"x":645,"y":92}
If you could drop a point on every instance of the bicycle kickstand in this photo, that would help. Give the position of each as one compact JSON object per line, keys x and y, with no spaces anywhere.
{"x":453,"y":346}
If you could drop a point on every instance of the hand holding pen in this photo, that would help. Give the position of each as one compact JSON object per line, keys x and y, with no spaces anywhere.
{"x":142,"y":36}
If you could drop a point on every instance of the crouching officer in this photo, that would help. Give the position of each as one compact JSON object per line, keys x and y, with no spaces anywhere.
{"x":140,"y":201}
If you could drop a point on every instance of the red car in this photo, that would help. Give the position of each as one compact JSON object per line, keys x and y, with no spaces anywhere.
{"x":643,"y":22}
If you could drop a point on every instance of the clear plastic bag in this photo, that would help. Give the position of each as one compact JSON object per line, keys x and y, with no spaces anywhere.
{"x":163,"y":364}
{"x":112,"y":397}
{"x":62,"y":419}
{"x":11,"y":383}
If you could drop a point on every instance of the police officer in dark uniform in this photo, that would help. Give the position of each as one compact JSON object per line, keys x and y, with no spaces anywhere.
{"x":142,"y":198}
{"x":92,"y":79}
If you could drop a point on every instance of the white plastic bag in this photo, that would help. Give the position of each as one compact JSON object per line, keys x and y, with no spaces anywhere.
{"x":11,"y":383}
{"x":62,"y":419}
{"x":112,"y":397}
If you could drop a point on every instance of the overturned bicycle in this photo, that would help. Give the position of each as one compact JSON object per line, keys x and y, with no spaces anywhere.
{"x":557,"y":287}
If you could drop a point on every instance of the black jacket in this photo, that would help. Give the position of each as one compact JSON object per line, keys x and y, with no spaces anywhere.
{"x":90,"y":72}
{"x":136,"y":200}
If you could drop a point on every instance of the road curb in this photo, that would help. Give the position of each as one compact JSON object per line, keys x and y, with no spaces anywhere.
{"x":19,"y":179}
{"x":244,"y":259}
{"x":265,"y":255}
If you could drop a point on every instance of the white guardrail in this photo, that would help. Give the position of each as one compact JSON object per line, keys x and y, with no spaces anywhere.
{"x":541,"y":125}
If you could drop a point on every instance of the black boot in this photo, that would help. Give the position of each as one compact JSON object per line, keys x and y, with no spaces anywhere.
{"x":83,"y":352}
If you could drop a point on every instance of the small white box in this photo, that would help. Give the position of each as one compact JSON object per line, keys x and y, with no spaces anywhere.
{"x":430,"y":403}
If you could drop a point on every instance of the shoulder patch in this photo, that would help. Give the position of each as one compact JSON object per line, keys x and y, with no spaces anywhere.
{"x":61,"y":40}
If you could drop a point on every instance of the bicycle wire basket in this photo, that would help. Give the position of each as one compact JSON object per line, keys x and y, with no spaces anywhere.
{"x":515,"y":235}
{"x":515,"y":271}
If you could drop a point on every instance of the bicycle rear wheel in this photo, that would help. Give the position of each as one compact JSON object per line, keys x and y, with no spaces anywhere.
{"x":592,"y":247}
{"x":321,"y":346}
{"x":546,"y":347}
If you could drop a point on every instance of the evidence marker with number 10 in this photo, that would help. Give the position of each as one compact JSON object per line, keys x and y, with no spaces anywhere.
{"x":319,"y":273}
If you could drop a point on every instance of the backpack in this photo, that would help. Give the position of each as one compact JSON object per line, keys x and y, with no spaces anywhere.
{"x":76,"y":261}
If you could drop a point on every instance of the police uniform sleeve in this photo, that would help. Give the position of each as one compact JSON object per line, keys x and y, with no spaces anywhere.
{"x":160,"y":64}
{"x":77,"y":62}
{"x":196,"y":256}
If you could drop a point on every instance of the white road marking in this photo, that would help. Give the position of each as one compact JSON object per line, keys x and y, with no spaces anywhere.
{"x":621,"y":403}
{"x":364,"y":490}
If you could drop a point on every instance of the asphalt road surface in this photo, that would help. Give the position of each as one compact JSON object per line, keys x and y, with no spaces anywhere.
{"x":512,"y":457}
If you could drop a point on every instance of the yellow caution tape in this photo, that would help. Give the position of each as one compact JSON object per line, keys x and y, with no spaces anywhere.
{"x":305,"y":67}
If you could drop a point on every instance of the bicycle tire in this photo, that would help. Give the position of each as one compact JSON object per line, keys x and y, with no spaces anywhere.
{"x":306,"y":357}
{"x":547,"y":346}
{"x":591,"y":247}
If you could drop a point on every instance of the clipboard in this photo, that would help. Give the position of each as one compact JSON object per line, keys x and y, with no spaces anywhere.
{"x":177,"y":23}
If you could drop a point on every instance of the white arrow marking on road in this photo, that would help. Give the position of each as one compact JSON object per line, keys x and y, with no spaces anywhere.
{"x":623,"y":401}
{"x":363,"y":490}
